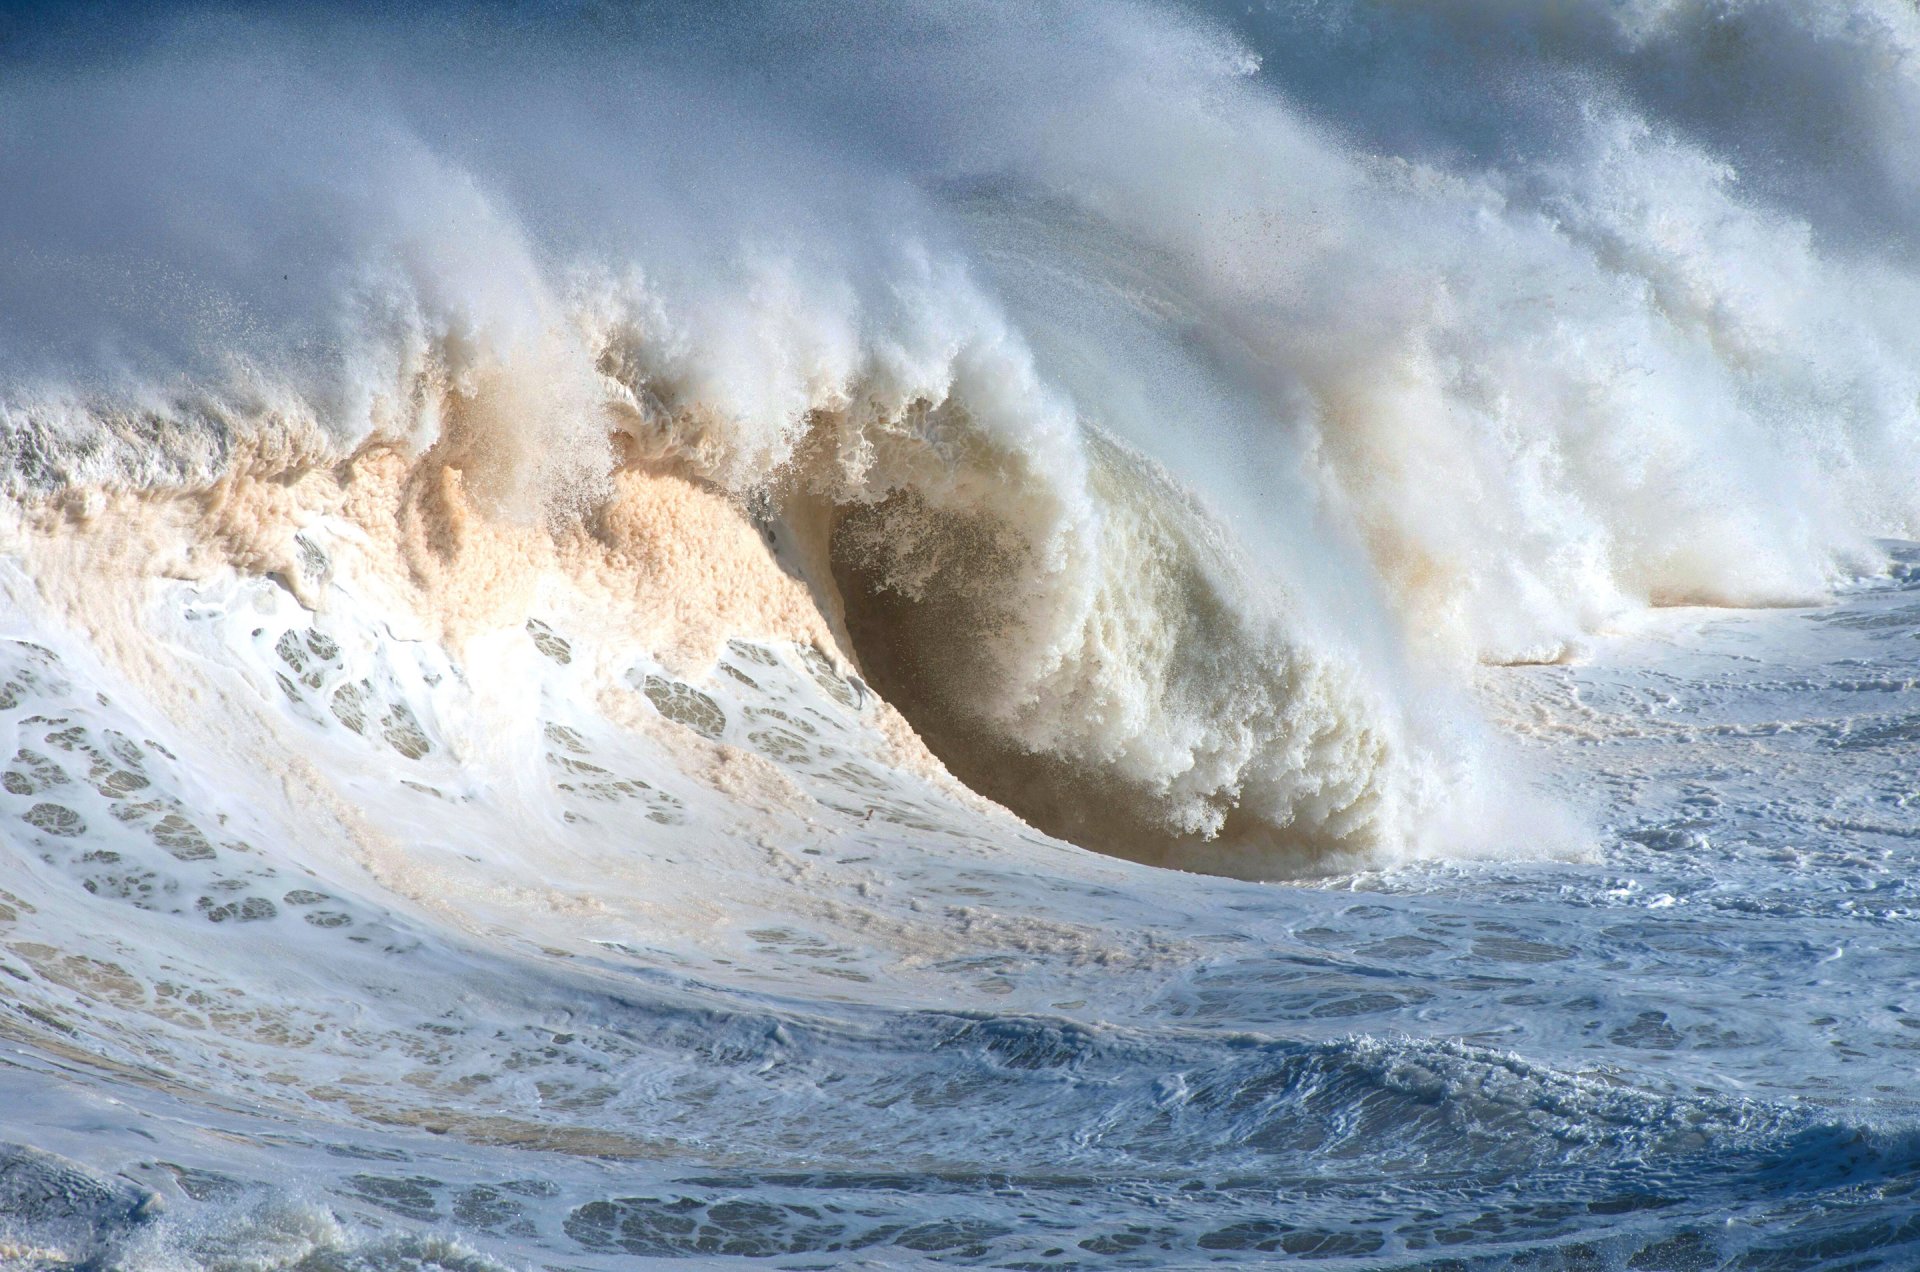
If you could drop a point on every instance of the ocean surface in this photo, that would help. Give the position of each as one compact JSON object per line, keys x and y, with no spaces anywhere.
{"x":1029,"y":636}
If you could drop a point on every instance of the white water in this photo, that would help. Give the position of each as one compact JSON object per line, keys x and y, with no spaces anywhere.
{"x":594,"y":498}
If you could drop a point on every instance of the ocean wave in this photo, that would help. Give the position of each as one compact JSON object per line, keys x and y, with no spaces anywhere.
{"x":1161,"y":439}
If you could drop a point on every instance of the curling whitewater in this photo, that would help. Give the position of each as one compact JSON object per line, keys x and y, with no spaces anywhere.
{"x":331,"y":948}
{"x":1047,"y":635}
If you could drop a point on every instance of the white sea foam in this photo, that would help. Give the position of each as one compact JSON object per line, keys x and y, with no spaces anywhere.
{"x":542,"y":546}
{"x":1204,"y":409}
{"x":1188,"y":412}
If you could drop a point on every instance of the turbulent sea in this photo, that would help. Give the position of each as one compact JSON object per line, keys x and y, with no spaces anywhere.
{"x":1045,"y":636}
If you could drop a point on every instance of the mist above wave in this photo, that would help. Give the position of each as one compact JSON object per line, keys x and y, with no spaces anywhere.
{"x":1168,"y":395}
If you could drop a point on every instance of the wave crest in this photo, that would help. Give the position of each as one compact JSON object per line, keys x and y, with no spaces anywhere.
{"x":1162,"y":427}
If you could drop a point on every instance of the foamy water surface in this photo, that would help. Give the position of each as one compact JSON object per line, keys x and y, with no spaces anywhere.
{"x":1028,"y":636}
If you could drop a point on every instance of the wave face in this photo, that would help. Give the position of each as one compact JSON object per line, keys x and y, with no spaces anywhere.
{"x":568,"y":569}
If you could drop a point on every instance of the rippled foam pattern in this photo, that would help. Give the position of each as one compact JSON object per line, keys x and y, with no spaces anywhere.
{"x":1044,"y":636}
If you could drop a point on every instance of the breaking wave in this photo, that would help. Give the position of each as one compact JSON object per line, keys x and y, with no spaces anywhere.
{"x":1161,"y":409}
{"x":575,"y":577}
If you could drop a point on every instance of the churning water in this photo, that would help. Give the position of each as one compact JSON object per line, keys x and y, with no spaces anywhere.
{"x":1045,"y":636}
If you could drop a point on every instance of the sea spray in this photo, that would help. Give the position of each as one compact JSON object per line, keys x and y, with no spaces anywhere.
{"x":1373,"y":396}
